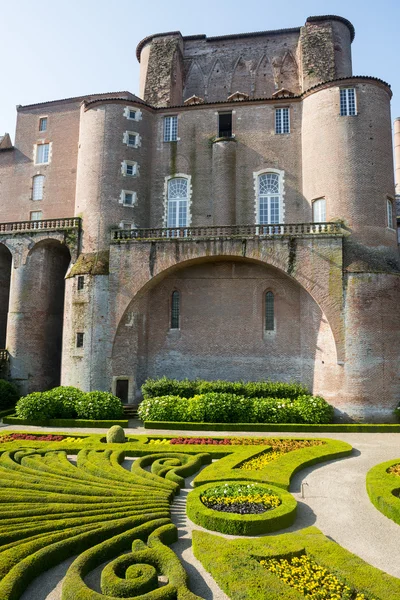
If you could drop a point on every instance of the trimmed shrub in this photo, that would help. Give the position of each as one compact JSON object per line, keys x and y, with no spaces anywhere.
{"x":115,"y":435}
{"x":39,"y":406}
{"x":8,"y":394}
{"x":215,"y":407}
{"x":99,"y":405}
{"x":187,"y":388}
{"x":68,"y":396}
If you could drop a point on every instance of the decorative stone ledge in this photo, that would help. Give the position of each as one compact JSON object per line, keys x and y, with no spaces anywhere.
{"x":24,"y":226}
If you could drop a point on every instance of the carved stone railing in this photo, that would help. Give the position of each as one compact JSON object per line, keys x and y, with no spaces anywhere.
{"x":172,"y":233}
{"x":46,"y":224}
{"x":4,"y":356}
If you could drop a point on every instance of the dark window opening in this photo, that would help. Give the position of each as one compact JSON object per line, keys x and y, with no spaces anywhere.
{"x":79,"y":340}
{"x":122,"y":389}
{"x":175,"y":310}
{"x":269,"y":312}
{"x":225,"y":124}
{"x":81,"y":282}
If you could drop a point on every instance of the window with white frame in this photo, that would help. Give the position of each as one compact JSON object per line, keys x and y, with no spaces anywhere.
{"x":389,"y":213}
{"x":133,"y":114}
{"x":171,"y":129}
{"x":282,"y":120}
{"x":37,"y":187}
{"x":177,"y":211}
{"x":42,"y":154}
{"x":43,"y":124}
{"x":269,"y":198}
{"x":36,"y":215}
{"x":348,"y":106}
{"x":131,"y":139}
{"x":127,"y":225}
{"x":129,"y":168}
{"x":319,"y":210}
{"x":128,"y":198}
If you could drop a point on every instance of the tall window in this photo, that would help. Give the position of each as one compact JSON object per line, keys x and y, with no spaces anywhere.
{"x":170,"y":129}
{"x":42,"y":154}
{"x":37,"y":187}
{"x":348,"y":102}
{"x":389,"y":209}
{"x":269,"y":195}
{"x":43,"y":124}
{"x":225,"y":124}
{"x":175,"y":300}
{"x":177,"y":214}
{"x":269,"y":312}
{"x":319,"y":210}
{"x":282,"y":122}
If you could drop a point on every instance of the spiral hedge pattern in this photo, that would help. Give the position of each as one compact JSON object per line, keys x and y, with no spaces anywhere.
{"x":51,"y":509}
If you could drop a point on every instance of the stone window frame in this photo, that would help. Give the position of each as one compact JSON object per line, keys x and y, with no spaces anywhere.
{"x":313,"y":203}
{"x":33,"y":191}
{"x":122,"y":198}
{"x":390,"y":212}
{"x":131,"y":386}
{"x":276,"y":112}
{"x":35,"y":152}
{"x":138,"y":139}
{"x":189,"y":197}
{"x":344,"y":109}
{"x":43,"y":120}
{"x":124,"y":168}
{"x":268,"y":332}
{"x":282,"y":206}
{"x":129,"y":109}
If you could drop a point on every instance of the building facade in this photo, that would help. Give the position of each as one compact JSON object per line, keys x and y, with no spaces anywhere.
{"x":235,"y":221}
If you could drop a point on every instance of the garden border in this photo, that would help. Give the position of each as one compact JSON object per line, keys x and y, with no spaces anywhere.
{"x":277,"y":427}
{"x":13,"y":420}
{"x":380,"y":487}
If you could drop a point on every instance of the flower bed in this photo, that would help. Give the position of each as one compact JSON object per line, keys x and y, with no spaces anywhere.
{"x":278,"y":448}
{"x":11,"y":437}
{"x":239,"y":498}
{"x":311,"y":579}
{"x":395,"y":469}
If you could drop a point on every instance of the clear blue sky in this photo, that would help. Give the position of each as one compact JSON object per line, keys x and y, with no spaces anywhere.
{"x":54,"y":49}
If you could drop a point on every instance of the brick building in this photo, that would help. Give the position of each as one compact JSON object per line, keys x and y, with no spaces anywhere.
{"x":235,"y":221}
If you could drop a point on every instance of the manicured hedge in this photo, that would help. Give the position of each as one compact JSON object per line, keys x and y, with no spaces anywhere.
{"x":283,"y":427}
{"x":236,"y":524}
{"x":14,"y":420}
{"x":381,"y":488}
{"x":187,"y":388}
{"x":217,"y":407}
{"x":235,"y":565}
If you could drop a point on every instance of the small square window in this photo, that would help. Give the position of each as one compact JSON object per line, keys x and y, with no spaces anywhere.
{"x":79,"y":340}
{"x":126,"y":226}
{"x":128,"y":198}
{"x":36,"y":215}
{"x":43,"y":124}
{"x":170,"y":129}
{"x":81,"y":283}
{"x":132,"y":139}
{"x":282,"y":120}
{"x":132,"y":114}
{"x":129,"y":168}
{"x":42,"y":154}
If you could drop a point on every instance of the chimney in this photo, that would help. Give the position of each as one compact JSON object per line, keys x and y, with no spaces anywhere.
{"x":397,"y":153}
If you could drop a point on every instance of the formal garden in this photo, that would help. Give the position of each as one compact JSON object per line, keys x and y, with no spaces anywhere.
{"x":104,"y":500}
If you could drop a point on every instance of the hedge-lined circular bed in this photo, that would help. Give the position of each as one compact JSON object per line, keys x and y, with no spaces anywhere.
{"x":383,"y":487}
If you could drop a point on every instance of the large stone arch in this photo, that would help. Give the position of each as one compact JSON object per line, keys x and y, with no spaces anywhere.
{"x":295,"y":353}
{"x":5,"y":278}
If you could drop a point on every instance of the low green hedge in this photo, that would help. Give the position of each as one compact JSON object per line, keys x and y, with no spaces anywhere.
{"x":217,"y":407}
{"x":283,"y":427}
{"x":381,"y":486}
{"x":236,"y":524}
{"x":235,"y":565}
{"x":187,"y":388}
{"x":14,"y":420}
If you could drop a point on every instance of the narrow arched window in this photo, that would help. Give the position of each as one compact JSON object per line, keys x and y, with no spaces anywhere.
{"x":37,"y":187}
{"x":177,"y":211}
{"x":175,"y":302}
{"x":269,"y":198}
{"x":269,"y":312}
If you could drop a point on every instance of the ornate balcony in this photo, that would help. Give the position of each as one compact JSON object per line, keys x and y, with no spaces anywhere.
{"x":46,"y":224}
{"x":228,"y":231}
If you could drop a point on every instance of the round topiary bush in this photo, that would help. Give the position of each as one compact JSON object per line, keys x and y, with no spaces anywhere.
{"x":68,"y":396}
{"x":115,"y":435}
{"x":99,"y":405}
{"x":8,"y":394}
{"x":39,"y":406}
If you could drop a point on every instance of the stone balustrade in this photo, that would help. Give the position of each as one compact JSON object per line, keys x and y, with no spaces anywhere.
{"x":45,"y":224}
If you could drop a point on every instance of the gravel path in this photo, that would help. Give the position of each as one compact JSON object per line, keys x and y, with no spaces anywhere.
{"x":335,"y":501}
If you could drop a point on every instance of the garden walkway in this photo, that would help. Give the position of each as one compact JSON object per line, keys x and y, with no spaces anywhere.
{"x":335,"y":501}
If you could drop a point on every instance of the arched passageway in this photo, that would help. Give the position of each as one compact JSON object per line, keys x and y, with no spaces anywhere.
{"x":227,"y":319}
{"x":5,"y":276}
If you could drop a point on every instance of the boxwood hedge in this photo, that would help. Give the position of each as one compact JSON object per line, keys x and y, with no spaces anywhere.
{"x":384,"y":489}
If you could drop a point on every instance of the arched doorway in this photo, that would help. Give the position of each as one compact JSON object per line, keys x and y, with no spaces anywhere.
{"x":5,"y":276}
